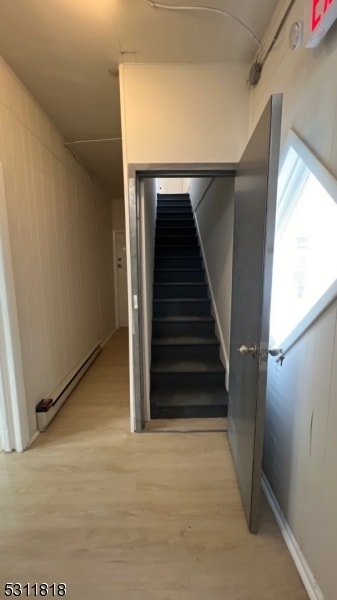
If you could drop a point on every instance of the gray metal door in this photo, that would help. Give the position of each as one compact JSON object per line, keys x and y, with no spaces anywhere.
{"x":254,"y":224}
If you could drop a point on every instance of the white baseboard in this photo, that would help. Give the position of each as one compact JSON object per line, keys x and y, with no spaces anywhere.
{"x":216,"y":314}
{"x":44,"y":418}
{"x":301,"y":564}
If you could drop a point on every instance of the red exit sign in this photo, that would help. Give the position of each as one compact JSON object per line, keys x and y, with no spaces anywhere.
{"x":323,"y":14}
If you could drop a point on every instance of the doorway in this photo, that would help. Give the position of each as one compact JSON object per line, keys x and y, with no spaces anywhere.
{"x":190,"y":306}
{"x":202,"y":178}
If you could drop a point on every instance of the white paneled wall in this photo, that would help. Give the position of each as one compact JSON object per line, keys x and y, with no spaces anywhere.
{"x":106,"y":264}
{"x":301,"y":444}
{"x":118,"y":214}
{"x":213,"y":203}
{"x":301,"y":441}
{"x":52,"y":222}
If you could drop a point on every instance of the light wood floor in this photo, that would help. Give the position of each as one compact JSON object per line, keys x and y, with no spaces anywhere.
{"x":120,"y":516}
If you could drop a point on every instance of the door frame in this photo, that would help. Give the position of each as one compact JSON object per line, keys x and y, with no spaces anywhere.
{"x":14,"y":424}
{"x":114,"y":246}
{"x":136,"y":174}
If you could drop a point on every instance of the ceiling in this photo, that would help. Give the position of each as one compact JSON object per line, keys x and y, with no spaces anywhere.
{"x":67,"y":53}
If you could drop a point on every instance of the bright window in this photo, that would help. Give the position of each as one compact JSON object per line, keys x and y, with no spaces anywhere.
{"x":305,"y":256}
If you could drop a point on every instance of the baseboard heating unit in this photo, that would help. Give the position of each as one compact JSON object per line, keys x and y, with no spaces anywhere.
{"x":48,"y":408}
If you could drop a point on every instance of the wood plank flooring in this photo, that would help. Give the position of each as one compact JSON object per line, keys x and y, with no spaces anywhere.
{"x":120,"y":516}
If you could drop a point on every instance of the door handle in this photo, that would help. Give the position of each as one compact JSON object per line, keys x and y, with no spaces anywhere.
{"x":252,"y":350}
{"x":245,"y":350}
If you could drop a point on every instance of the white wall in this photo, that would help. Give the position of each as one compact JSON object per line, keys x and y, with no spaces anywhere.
{"x":106,"y":264}
{"x":213,"y":203}
{"x":307,"y":79}
{"x":180,"y":114}
{"x":148,"y":226}
{"x":301,"y":448}
{"x":184,"y":113}
{"x":53,"y":233}
{"x":171,"y":185}
{"x":302,"y":394}
{"x":118,"y":214}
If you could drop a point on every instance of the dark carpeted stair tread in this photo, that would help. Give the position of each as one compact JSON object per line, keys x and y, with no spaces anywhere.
{"x":175,"y":210}
{"x":176,"y":247}
{"x":180,"y":283}
{"x":211,"y":365}
{"x":171,"y":224}
{"x":174,"y":196}
{"x":185,"y":341}
{"x":173,"y":261}
{"x":189,"y":396}
{"x":182,"y":319}
{"x":181,"y":270}
{"x":181,"y":300}
{"x":176,"y":257}
{"x":176,"y":237}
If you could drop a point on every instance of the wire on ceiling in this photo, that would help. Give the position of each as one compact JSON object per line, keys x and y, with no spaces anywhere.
{"x":278,"y":31}
{"x":90,"y":141}
{"x":219,"y":11}
{"x":257,"y":66}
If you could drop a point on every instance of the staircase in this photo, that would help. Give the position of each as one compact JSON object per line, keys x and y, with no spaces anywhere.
{"x":187,"y":376}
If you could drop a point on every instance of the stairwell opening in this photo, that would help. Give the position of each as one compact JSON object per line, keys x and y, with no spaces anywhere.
{"x":183,"y":241}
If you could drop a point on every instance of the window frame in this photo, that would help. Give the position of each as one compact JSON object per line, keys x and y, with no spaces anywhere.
{"x":290,"y":184}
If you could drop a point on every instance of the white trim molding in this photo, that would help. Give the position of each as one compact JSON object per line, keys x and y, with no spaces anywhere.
{"x":14,"y":426}
{"x":304,"y":571}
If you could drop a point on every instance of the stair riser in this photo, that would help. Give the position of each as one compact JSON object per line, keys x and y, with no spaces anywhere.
{"x":178,"y":231}
{"x":178,"y":263}
{"x":169,"y":199}
{"x":183,"y":329}
{"x":175,"y":210}
{"x":171,"y":309}
{"x":175,"y":223}
{"x":188,"y":412}
{"x":192,"y":352}
{"x":174,"y":240}
{"x":177,"y":251}
{"x":179,"y":276}
{"x":181,"y":379}
{"x":172,"y":215}
{"x":180,"y":291}
{"x":173,"y":197}
{"x":181,"y":207}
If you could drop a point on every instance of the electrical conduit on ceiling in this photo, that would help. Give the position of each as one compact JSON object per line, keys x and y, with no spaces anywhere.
{"x":114,"y":139}
{"x":259,"y":63}
{"x":219,"y":11}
